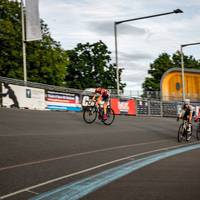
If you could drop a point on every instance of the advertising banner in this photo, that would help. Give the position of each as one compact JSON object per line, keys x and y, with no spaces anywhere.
{"x":15,"y":96}
{"x":63,"y":101}
{"x":123,"y":106}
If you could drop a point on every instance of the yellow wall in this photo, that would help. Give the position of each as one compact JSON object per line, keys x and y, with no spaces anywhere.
{"x":171,"y":92}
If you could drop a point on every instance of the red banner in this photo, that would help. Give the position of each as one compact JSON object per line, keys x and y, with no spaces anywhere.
{"x":123,"y":106}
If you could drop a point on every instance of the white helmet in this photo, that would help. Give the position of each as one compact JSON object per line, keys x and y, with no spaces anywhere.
{"x":187,"y":101}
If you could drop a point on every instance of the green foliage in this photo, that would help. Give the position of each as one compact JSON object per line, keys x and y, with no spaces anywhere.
{"x":90,"y":67}
{"x":46,"y":60}
{"x":162,"y":64}
{"x":10,"y":39}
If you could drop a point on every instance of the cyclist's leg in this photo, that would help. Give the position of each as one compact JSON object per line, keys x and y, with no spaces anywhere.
{"x":105,"y":99}
{"x":105,"y":107}
{"x":189,"y":130}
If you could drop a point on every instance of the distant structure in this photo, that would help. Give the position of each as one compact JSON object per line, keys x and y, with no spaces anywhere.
{"x":171,"y":85}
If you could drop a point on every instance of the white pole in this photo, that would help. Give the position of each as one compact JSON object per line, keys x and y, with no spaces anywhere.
{"x":116,"y":57}
{"x":183,"y":76}
{"x":23,"y":42}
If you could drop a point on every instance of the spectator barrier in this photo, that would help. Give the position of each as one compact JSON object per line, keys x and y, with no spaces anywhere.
{"x":123,"y":106}
{"x":15,"y":93}
{"x":62,"y":101}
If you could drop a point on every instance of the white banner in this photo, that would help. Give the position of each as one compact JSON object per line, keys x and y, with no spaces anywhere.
{"x":33,"y":29}
{"x":16,"y":96}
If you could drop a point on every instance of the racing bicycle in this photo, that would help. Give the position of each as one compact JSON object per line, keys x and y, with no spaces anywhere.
{"x":92,"y":110}
{"x":183,"y":132}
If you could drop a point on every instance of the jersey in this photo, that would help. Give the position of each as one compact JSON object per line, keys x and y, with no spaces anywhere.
{"x":187,"y":111}
{"x":103,"y":93}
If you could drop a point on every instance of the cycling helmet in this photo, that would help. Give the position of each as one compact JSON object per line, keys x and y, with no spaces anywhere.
{"x":98,"y":89}
{"x":186,"y":101}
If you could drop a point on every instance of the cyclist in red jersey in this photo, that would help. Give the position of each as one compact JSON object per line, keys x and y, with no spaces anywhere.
{"x":197,"y":117}
{"x":102,"y":94}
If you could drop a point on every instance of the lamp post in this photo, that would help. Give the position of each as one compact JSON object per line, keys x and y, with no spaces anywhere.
{"x":128,"y":20}
{"x":182,"y":67}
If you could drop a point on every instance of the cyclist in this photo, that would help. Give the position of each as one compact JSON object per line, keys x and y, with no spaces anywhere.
{"x":197,"y":117}
{"x":102,"y":95}
{"x":187,"y":114}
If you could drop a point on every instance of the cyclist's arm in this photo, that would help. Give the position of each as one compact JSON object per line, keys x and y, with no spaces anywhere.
{"x":180,"y":116}
{"x":190,"y":116}
{"x":94,"y":97}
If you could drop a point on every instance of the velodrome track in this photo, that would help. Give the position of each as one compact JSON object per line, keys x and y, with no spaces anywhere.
{"x":135,"y":158}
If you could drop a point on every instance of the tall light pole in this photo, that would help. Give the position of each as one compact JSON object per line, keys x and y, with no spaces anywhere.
{"x":128,"y":20}
{"x":182,"y":66}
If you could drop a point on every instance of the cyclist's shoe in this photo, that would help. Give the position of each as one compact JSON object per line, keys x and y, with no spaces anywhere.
{"x":189,"y":137}
{"x":105,"y":117}
{"x":189,"y":128}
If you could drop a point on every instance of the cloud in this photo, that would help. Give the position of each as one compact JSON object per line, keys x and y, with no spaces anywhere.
{"x":132,"y":57}
{"x":139,"y":42}
{"x":107,"y":28}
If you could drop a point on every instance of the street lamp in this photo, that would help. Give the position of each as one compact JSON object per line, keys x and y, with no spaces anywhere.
{"x":182,"y":66}
{"x":128,"y":20}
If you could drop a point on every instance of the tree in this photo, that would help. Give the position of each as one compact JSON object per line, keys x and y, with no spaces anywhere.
{"x":90,"y":66}
{"x":162,"y":64}
{"x":10,"y":39}
{"x":46,"y":60}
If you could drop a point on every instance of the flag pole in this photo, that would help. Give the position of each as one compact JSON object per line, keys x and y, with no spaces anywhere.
{"x":23,"y":42}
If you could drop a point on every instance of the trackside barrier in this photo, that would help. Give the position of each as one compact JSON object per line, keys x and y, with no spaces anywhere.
{"x":16,"y":96}
{"x":149,"y":107}
{"x":142,"y":107}
{"x":155,"y":108}
{"x":62,"y":101}
{"x":170,"y":109}
{"x":29,"y":95}
{"x":123,"y":106}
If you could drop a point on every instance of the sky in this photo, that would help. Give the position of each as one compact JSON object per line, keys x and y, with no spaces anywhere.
{"x":139,"y":42}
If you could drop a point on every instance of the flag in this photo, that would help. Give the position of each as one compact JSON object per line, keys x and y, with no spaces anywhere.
{"x":33,"y":29}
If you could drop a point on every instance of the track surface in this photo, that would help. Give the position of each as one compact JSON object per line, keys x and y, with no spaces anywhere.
{"x":43,"y":150}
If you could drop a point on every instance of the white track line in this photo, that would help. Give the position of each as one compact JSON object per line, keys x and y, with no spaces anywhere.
{"x":89,"y":169}
{"x":75,"y":155}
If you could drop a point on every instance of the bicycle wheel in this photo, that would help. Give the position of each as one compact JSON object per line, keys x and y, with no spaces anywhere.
{"x":90,"y":114}
{"x":198,"y":132}
{"x":110,"y":115}
{"x":181,"y":132}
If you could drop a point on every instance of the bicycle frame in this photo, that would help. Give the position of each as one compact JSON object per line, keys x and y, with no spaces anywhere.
{"x":185,"y":124}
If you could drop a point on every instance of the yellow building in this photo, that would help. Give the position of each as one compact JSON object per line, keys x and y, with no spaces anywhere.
{"x":171,"y":85}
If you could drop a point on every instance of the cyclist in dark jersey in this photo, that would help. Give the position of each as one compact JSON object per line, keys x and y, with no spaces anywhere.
{"x":102,"y":95}
{"x":187,"y":114}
